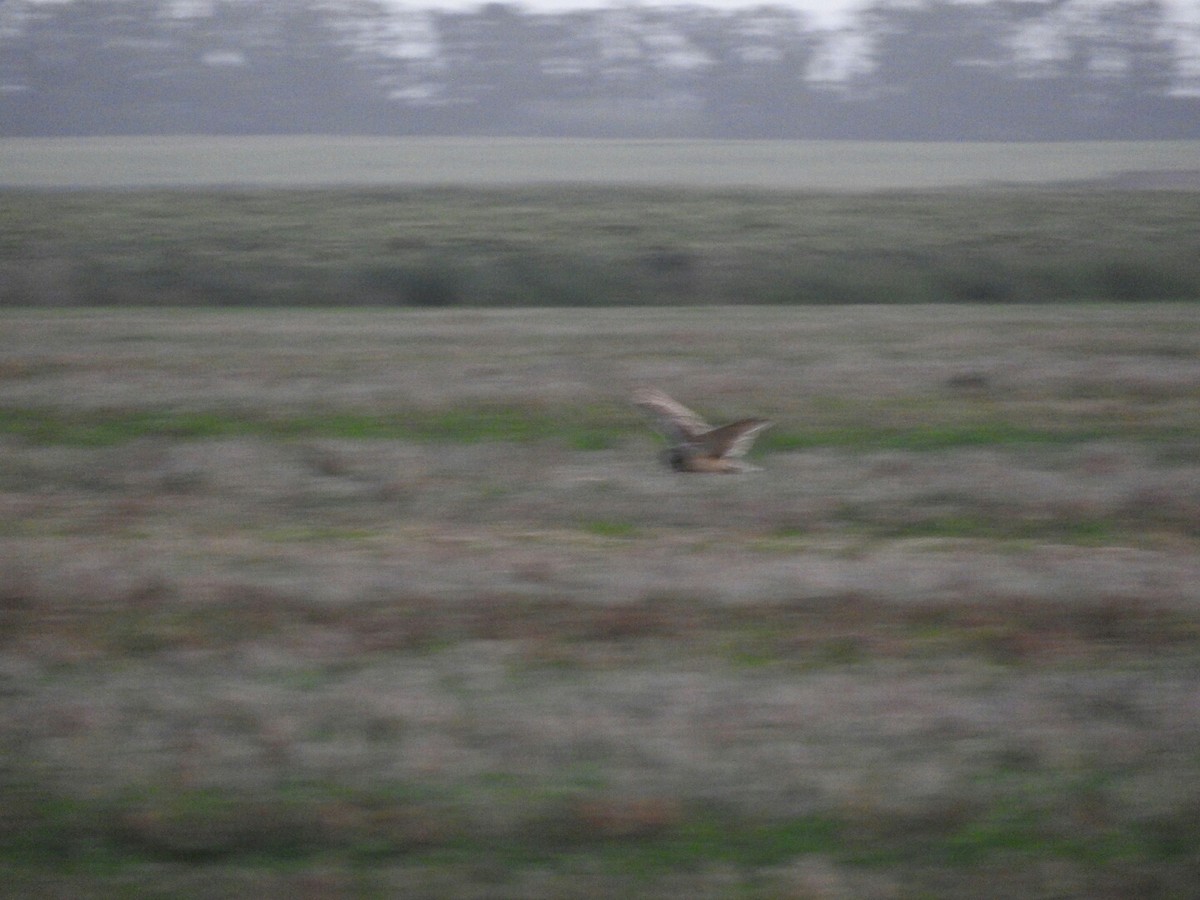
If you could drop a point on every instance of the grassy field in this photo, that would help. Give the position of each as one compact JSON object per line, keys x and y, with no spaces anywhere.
{"x":197,"y":161}
{"x":593,"y":246}
{"x":401,"y":603}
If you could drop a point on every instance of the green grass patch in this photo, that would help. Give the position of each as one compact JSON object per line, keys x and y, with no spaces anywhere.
{"x":999,"y":526}
{"x":1063,"y":817}
{"x":611,"y":529}
{"x":940,"y":437}
{"x":313,"y":821}
{"x":707,"y":838}
{"x":100,"y":428}
{"x":1023,"y":835}
{"x":329,"y":825}
{"x":589,"y":438}
{"x":516,"y":424}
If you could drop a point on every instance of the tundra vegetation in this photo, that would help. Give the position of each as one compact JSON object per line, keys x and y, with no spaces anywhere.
{"x":589,"y":246}
{"x":400,"y":602}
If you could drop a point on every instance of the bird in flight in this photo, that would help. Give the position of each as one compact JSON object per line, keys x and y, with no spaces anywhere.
{"x":695,"y":445}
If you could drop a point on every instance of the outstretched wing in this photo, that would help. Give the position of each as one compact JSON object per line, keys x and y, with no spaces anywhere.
{"x":733,"y":440}
{"x":675,"y":420}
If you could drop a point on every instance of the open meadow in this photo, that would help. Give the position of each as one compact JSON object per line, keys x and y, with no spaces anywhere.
{"x":396,"y":602}
{"x":554,"y":246}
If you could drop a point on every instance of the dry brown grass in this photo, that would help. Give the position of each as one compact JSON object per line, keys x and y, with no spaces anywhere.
{"x":479,"y":660}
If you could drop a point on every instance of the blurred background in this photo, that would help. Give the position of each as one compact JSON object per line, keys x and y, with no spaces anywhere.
{"x":931,"y":70}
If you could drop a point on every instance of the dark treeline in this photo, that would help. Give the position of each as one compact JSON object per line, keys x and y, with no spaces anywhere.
{"x":1002,"y":71}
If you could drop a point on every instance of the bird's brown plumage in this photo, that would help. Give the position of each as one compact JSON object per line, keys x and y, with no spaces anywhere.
{"x":695,"y":445}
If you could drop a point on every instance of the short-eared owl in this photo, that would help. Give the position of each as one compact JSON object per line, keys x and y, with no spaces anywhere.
{"x":695,"y":445}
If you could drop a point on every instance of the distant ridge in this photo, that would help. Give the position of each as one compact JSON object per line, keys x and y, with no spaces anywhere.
{"x":327,"y":161}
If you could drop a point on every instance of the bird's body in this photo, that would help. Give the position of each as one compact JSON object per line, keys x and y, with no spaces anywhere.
{"x":695,"y":445}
